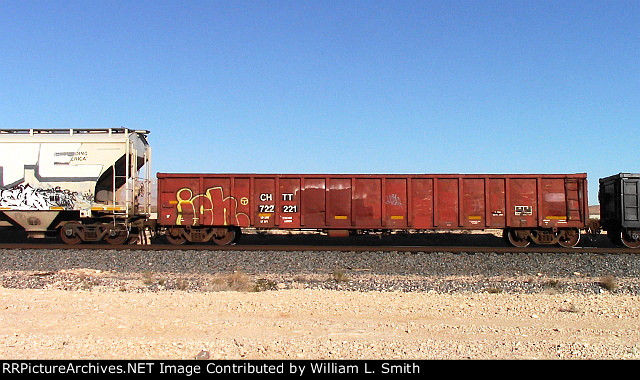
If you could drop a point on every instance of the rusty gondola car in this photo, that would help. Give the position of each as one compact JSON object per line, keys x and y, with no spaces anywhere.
{"x":538,"y":208}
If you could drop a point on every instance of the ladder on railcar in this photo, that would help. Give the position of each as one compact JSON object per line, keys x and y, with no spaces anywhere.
{"x":572,"y":194}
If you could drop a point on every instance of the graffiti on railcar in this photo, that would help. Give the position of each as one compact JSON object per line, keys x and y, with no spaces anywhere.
{"x":26,"y":197}
{"x":394,"y":200}
{"x":211,"y":208}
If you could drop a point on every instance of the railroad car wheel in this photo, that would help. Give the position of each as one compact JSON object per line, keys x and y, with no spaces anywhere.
{"x":630,"y":238}
{"x":176,"y":236}
{"x":226,"y":239}
{"x":117,"y":236}
{"x":68,"y":235}
{"x":569,"y":238}
{"x":517,"y":238}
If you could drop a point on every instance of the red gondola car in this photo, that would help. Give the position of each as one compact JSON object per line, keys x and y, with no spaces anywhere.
{"x":539,"y":208}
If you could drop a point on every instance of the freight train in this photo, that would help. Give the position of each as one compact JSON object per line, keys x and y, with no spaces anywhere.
{"x":95,"y":185}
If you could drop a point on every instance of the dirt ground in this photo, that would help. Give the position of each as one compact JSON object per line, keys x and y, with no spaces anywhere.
{"x":98,"y":305}
{"x":315,"y":324}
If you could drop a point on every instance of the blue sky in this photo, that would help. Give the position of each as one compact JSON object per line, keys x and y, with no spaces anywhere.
{"x":379,"y":86}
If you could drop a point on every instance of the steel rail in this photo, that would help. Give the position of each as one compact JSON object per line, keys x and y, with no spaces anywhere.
{"x":339,"y":248}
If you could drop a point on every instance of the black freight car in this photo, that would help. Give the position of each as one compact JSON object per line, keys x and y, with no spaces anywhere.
{"x":619,"y":198}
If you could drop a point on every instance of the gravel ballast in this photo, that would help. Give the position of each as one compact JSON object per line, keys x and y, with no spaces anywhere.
{"x":147,"y":304}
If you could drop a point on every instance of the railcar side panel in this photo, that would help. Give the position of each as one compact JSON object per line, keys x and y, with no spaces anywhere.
{"x":339,"y":203}
{"x":313,"y":207}
{"x":289,"y":202}
{"x":395,"y":203}
{"x":367,"y":202}
{"x":522,"y":202}
{"x":421,"y":209}
{"x":360,"y":202}
{"x":174,"y":201}
{"x":473,"y":203}
{"x":496,"y":203}
{"x":264,"y":198}
{"x":239,"y":204}
{"x":446,"y":203}
{"x":555,"y":205}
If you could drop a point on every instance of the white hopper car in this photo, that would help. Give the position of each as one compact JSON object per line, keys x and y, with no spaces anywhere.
{"x":82,"y":184}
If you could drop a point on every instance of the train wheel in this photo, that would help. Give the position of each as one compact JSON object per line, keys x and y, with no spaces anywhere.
{"x":569,"y":238}
{"x":176,"y":236}
{"x":68,"y":234}
{"x":117,"y":236}
{"x":517,"y":238}
{"x":630,"y":239}
{"x":226,"y":239}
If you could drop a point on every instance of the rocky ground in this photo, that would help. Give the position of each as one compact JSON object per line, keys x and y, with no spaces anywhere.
{"x":84,"y":304}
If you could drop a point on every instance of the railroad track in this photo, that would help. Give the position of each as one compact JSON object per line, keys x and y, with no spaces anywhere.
{"x":340,"y":248}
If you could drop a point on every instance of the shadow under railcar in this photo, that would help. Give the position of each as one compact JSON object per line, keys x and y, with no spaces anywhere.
{"x":426,"y":239}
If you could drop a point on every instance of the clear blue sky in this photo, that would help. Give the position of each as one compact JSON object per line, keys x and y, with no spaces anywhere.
{"x":379,"y":86}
